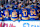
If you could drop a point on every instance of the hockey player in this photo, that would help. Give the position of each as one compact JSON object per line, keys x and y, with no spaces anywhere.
{"x":6,"y":14}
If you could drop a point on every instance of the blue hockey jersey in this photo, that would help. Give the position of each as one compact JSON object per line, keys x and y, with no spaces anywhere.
{"x":23,"y":14}
{"x":14,"y":14}
{"x":33,"y":14}
{"x":6,"y":15}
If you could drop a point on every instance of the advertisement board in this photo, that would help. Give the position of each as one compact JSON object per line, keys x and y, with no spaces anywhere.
{"x":20,"y":24}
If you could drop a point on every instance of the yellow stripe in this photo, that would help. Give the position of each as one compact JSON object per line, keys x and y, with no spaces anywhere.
{"x":25,"y":18}
{"x":33,"y":16}
{"x":14,"y":19}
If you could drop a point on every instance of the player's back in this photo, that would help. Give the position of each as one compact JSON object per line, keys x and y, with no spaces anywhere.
{"x":14,"y":14}
{"x":33,"y":14}
{"x":24,"y":13}
{"x":6,"y":15}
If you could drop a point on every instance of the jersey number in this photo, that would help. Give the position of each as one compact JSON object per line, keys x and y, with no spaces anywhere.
{"x":14,"y":14}
{"x":25,"y":13}
{"x":33,"y":12}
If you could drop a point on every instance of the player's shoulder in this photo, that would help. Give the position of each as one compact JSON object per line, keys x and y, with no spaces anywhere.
{"x":35,"y":8}
{"x":16,"y":9}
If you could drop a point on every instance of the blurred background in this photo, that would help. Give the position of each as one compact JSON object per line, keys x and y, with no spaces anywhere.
{"x":24,"y":1}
